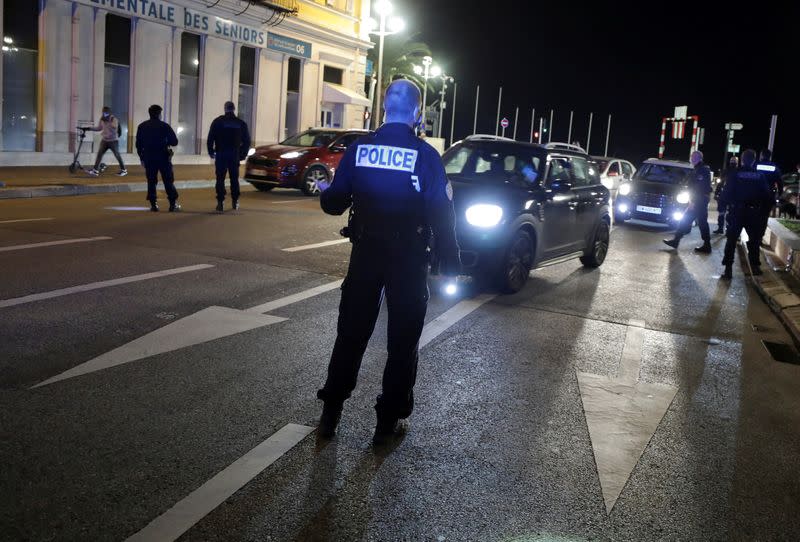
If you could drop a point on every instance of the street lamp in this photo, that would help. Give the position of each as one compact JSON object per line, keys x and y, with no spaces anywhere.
{"x":442,"y":103}
{"x":384,"y":9}
{"x":426,"y":72}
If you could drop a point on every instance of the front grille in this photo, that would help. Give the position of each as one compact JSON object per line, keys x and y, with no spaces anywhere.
{"x":653,"y":200}
{"x":263,"y":162}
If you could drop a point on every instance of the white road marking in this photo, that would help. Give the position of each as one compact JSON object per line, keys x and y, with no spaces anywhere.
{"x":622,"y":415}
{"x":24,"y":220}
{"x":294,"y":298}
{"x":98,"y":285}
{"x":206,"y":325}
{"x":194,"y":507}
{"x":53,"y":243}
{"x":451,"y":317}
{"x":316,"y":245}
{"x":289,"y":201}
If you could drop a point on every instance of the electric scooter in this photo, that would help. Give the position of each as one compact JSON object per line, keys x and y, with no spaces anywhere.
{"x":76,"y":165}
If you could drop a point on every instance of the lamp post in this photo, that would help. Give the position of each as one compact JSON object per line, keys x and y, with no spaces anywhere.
{"x":442,"y":103}
{"x":426,"y":72}
{"x":383,"y":8}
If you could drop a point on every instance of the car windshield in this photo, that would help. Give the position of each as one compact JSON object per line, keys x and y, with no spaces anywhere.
{"x":495,"y":163}
{"x":311,"y":138}
{"x":601,"y":164}
{"x":660,"y":173}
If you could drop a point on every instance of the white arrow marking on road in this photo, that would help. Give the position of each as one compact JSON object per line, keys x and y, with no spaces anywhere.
{"x":24,"y":220}
{"x":207,"y":325}
{"x":53,"y":243}
{"x":622,"y":415}
{"x":316,"y":245}
{"x":180,"y":518}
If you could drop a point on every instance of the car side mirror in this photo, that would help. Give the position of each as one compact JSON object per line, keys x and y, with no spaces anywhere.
{"x":559,"y":187}
{"x":338,"y":148}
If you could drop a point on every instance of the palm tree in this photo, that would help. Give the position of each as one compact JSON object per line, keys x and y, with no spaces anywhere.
{"x":399,"y":58}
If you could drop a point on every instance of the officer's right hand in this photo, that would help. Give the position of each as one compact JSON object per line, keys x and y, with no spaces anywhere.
{"x":213,"y":155}
{"x":323,"y":185}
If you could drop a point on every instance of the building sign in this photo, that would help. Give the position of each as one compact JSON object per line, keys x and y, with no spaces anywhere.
{"x":288,"y":45}
{"x":163,"y":12}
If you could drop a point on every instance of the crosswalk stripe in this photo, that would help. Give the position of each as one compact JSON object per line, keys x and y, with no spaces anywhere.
{"x":98,"y":285}
{"x":24,"y":220}
{"x":53,"y":243}
{"x":316,"y":245}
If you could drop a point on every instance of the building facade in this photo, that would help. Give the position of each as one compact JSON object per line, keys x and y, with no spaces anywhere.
{"x":288,"y":65}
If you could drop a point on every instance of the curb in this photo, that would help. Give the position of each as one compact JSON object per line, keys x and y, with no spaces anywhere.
{"x":82,"y":190}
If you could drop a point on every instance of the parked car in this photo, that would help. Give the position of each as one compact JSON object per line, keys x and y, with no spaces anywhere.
{"x":520,"y":206}
{"x":657,"y":192}
{"x":301,"y":161}
{"x":613,"y":172}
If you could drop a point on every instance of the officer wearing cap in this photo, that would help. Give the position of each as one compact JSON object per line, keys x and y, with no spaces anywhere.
{"x":399,"y":196}
{"x":772,"y":172}
{"x":700,"y":194}
{"x":154,"y":138}
{"x":746,"y":195}
{"x":228,"y":144}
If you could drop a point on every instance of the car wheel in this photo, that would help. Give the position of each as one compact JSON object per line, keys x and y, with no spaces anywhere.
{"x":314,"y":175}
{"x":619,"y":218}
{"x":517,"y":263}
{"x":261,"y":187}
{"x":596,"y":254}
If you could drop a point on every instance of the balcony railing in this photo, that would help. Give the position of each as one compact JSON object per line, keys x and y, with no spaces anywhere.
{"x":288,"y":7}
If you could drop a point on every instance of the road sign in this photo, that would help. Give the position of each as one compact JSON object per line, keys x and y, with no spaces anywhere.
{"x":734,"y":126}
{"x":734,"y":149}
{"x":681,"y":112}
{"x":504,"y":122}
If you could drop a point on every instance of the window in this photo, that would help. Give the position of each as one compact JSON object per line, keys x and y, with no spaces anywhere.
{"x":295,"y":68}
{"x":247,"y":77}
{"x":20,"y":63}
{"x":333,"y":75}
{"x":495,"y":164}
{"x":559,"y":170}
{"x":348,"y":139}
{"x":613,"y":171}
{"x":456,"y":162}
{"x":580,"y":173}
{"x":627,"y":169}
{"x":188,"y":98}
{"x":117,"y":70}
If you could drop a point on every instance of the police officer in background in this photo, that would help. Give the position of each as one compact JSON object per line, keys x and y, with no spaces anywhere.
{"x":733,"y":165}
{"x":746,"y":194}
{"x":700,"y":193}
{"x":154,"y":138}
{"x":228,"y":144}
{"x":772,"y":172}
{"x":396,"y":187}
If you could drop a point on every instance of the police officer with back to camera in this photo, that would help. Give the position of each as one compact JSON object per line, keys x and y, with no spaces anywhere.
{"x":154,"y":138}
{"x":228,"y":144}
{"x":772,"y":172}
{"x":733,"y":165}
{"x":746,"y":194}
{"x":398,"y":194}
{"x":700,"y":194}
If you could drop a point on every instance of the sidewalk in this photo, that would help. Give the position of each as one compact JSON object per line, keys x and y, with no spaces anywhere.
{"x":43,"y":181}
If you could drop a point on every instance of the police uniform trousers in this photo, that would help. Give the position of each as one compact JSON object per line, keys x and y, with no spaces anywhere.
{"x":750,"y":219}
{"x":398,"y":270}
{"x":151,"y":170}
{"x":227,"y":162}
{"x":722,"y":211}
{"x":698,"y":212}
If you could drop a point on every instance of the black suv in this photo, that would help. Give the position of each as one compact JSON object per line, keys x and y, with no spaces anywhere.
{"x":520,"y":206}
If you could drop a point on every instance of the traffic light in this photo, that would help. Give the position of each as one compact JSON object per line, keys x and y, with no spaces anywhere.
{"x":536,"y":135}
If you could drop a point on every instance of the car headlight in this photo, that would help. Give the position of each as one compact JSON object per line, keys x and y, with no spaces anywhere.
{"x":251,"y":152}
{"x":624,"y":189}
{"x":484,"y":216}
{"x":683,"y":197}
{"x":293,"y":154}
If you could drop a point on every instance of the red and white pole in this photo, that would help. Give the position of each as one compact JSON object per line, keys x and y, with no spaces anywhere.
{"x":696,"y":121}
{"x":662,"y":145}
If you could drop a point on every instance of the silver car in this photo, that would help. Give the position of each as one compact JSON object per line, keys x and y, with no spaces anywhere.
{"x":613,"y":172}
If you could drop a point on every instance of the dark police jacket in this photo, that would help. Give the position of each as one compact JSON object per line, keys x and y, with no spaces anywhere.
{"x":398,"y":188}
{"x":748,"y":188}
{"x":772,"y":173}
{"x":700,"y":184}
{"x":229,"y":133}
{"x":152,"y":139}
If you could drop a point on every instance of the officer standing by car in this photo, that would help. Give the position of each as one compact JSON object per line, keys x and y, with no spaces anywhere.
{"x":700,"y":193}
{"x":747,"y":194}
{"x":733,"y":165}
{"x":228,"y":144}
{"x":772,"y":172}
{"x":398,"y":192}
{"x":154,"y":138}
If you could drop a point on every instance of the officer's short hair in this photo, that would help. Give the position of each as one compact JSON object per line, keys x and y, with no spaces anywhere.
{"x":402,"y":98}
{"x":106,"y":109}
{"x":748,"y":157}
{"x":230,"y":107}
{"x":766,"y":154}
{"x":154,"y":110}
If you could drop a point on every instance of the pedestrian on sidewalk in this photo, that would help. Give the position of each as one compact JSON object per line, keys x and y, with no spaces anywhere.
{"x":228,"y":144}
{"x":110,"y":131}
{"x":396,"y":205}
{"x":699,"y":196}
{"x":154,"y":139}
{"x":733,"y":165}
{"x":746,"y":194}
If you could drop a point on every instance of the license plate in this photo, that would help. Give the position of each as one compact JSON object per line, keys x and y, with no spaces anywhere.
{"x":255,"y":171}
{"x":651,"y":210}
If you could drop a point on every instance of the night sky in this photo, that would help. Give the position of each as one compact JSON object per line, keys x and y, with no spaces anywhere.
{"x":634,"y":61}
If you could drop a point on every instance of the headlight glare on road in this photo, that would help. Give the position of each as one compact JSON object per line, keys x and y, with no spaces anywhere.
{"x":683,"y":197}
{"x":624,"y":189}
{"x":292,"y":154}
{"x":484,"y":215}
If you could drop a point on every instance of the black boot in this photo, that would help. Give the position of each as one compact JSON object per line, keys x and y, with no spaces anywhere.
{"x":672,"y":242}
{"x":154,"y":206}
{"x":329,"y":420}
{"x":705,"y":248}
{"x":728,"y":273}
{"x":385,"y":430}
{"x":755,"y":268}
{"x":174,"y":207}
{"x":220,"y":209}
{"x":718,"y":231}
{"x":235,"y":205}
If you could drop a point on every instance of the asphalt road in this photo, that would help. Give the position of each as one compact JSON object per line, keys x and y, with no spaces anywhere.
{"x":507,"y":442}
